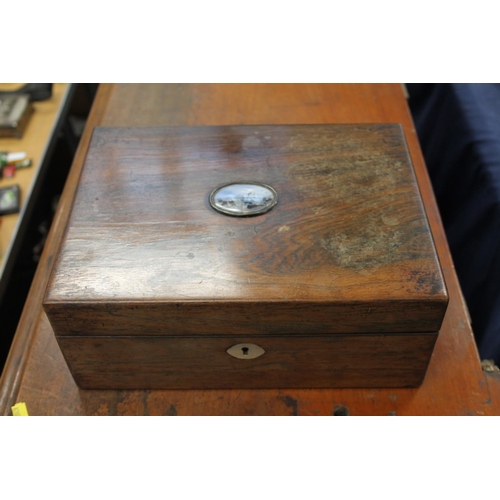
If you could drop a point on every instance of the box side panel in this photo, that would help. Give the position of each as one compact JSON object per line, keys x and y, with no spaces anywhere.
{"x":396,"y":360}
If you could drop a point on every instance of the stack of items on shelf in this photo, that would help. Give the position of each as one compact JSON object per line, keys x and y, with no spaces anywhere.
{"x":9,"y":195}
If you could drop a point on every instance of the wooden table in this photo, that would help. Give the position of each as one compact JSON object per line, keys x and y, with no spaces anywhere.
{"x":36,"y":373}
{"x":38,"y":142}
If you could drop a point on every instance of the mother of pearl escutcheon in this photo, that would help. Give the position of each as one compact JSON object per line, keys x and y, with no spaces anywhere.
{"x":246,"y":351}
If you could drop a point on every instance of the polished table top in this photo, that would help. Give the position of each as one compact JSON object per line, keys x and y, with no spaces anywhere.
{"x":36,"y":373}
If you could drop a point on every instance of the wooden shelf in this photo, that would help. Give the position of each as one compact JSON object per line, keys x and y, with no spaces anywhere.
{"x":38,"y":141}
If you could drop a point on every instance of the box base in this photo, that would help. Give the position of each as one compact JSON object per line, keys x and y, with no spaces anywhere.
{"x":326,"y":361}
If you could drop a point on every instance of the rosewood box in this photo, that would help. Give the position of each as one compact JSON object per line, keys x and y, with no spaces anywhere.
{"x":247,"y":257}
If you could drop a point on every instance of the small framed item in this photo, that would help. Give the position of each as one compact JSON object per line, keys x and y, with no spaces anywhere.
{"x":9,"y":200}
{"x":15,"y":112}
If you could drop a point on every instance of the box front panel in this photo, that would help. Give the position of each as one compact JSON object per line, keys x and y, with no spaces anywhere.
{"x":390,"y":360}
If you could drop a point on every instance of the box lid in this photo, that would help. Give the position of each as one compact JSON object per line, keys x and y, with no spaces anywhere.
{"x":346,"y":249}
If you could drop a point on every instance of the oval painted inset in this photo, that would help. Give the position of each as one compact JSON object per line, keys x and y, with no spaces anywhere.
{"x":243,"y":199}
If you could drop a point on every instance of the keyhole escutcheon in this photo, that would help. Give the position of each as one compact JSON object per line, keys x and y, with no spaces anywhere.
{"x":245,"y":351}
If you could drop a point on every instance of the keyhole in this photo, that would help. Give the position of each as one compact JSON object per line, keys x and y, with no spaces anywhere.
{"x":245,"y":351}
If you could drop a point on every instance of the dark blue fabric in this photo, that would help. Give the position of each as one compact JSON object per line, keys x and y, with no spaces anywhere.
{"x":459,"y":130}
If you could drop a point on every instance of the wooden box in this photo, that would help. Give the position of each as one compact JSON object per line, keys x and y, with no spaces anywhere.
{"x":337,"y":285}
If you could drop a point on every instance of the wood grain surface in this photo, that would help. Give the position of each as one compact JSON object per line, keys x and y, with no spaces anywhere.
{"x":37,"y":374}
{"x":347,"y":249}
{"x":391,"y":360}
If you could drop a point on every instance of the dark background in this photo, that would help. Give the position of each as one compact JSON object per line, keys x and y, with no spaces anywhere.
{"x":41,"y":217}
